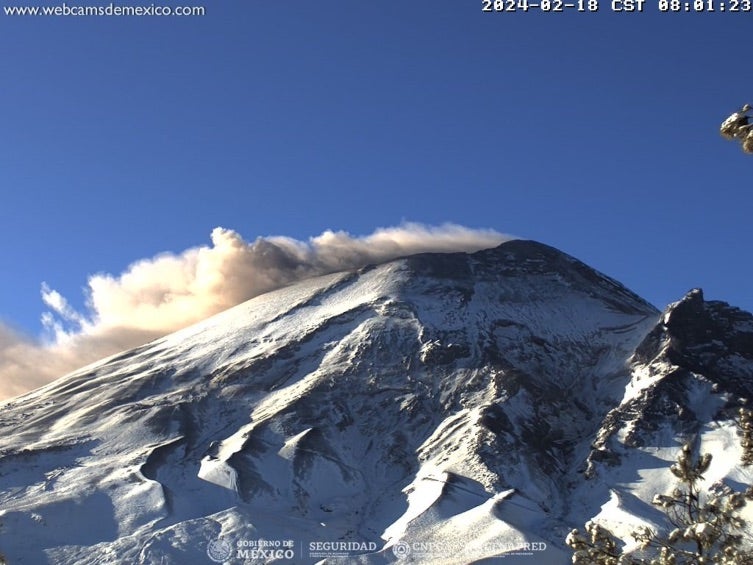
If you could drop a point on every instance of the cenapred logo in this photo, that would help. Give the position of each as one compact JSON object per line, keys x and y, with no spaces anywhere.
{"x":401,"y":549}
{"x":472,"y":551}
{"x":219,"y":550}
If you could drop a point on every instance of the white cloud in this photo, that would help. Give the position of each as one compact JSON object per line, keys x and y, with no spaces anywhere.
{"x":156,"y":296}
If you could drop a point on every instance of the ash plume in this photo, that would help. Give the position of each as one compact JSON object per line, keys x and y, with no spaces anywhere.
{"x":167,"y":292}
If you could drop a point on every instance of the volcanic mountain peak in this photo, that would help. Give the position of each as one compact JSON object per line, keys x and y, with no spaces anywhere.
{"x":451,"y":401}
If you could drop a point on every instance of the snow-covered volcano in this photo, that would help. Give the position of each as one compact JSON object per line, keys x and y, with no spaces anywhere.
{"x":442,"y":408}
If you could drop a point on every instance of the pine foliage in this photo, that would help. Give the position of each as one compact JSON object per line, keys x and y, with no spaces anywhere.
{"x":706,"y":527}
{"x":745,"y":423}
{"x":739,"y":127}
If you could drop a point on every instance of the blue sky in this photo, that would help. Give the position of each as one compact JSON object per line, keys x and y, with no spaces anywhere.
{"x":594,"y":133}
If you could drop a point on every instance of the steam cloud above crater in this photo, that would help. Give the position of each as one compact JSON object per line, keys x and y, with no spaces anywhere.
{"x":159,"y":295}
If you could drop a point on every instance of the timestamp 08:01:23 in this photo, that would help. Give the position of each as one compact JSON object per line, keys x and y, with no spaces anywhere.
{"x":705,"y":6}
{"x":542,"y":5}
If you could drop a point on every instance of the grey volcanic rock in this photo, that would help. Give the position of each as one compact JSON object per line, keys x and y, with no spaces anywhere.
{"x":441,"y":408}
{"x":710,"y":338}
{"x":696,"y":342}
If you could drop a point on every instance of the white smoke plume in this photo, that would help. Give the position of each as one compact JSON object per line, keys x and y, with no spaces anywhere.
{"x":156,"y":296}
